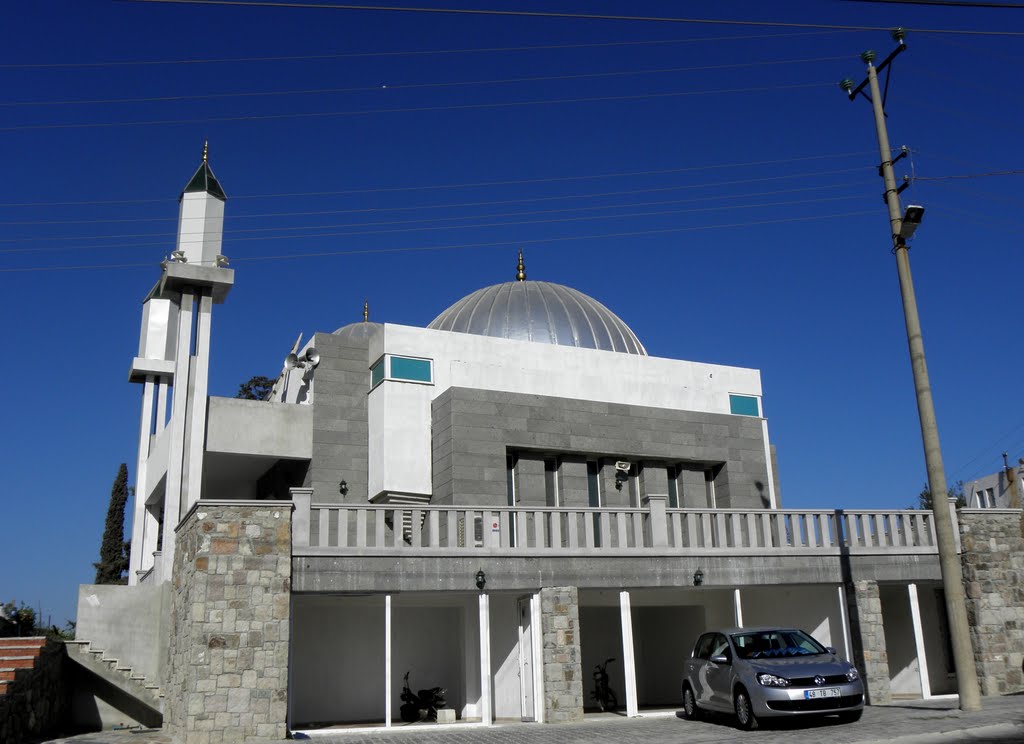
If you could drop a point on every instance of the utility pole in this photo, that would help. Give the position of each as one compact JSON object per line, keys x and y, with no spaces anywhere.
{"x":949,"y":561}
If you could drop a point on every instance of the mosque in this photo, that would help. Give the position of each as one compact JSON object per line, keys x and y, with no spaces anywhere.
{"x":494,"y":504}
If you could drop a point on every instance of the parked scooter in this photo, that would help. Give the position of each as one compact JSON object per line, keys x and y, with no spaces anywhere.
{"x":423,"y":705}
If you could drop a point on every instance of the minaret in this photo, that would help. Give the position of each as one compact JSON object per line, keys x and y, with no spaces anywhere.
{"x":193,"y":280}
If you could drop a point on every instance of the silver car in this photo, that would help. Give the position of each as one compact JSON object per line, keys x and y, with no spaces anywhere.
{"x":761,"y":672}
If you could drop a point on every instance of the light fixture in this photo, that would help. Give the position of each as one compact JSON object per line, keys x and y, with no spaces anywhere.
{"x":222,"y":261}
{"x":343,"y":488}
{"x":698,"y":577}
{"x":178,"y":257}
{"x":911,"y":221}
{"x":481,"y":579}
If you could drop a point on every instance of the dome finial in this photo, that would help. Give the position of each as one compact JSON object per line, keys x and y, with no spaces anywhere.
{"x":366,"y":311}
{"x":206,"y":151}
{"x":520,"y":269}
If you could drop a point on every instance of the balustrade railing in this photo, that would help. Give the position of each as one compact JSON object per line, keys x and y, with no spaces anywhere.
{"x":651,"y":528}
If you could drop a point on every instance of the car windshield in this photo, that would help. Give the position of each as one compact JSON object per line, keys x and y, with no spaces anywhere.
{"x":775,"y":644}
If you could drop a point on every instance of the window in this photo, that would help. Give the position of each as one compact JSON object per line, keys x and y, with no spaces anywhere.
{"x":744,"y":405}
{"x":703,"y":648}
{"x":404,"y":369}
{"x":673,"y":486}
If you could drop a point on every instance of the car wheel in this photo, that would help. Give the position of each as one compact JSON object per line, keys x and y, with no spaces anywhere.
{"x":690,"y":710}
{"x":744,"y":710}
{"x":850,"y":717}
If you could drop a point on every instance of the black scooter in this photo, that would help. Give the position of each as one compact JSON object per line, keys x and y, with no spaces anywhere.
{"x":421,"y":706}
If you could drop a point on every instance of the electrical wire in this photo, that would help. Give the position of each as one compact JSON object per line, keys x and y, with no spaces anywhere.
{"x":406,"y":53}
{"x":408,"y":109}
{"x":411,"y":249}
{"x":583,"y":218}
{"x":412,"y":86}
{"x":479,"y":184}
{"x":550,"y":14}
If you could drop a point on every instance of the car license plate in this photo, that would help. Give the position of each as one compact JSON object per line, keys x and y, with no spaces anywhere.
{"x":824,"y":692}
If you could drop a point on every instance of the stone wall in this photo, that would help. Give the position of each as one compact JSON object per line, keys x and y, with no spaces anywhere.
{"x":867,"y":632}
{"x":993,"y":569}
{"x":38,"y":701}
{"x":227,"y":668}
{"x":563,"y":674}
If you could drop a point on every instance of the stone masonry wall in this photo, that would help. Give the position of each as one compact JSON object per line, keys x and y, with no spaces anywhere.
{"x":563,"y":673}
{"x":37,"y":703}
{"x":869,"y":651}
{"x":227,"y":664}
{"x":993,"y":569}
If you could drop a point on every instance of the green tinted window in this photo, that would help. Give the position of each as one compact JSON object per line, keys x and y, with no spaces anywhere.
{"x":744,"y":405}
{"x":377,"y":373}
{"x":416,"y":370}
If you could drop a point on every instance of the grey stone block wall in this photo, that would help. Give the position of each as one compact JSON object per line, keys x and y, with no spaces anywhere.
{"x":227,"y":667}
{"x":474,"y":429}
{"x":563,"y":671}
{"x":37,"y":703}
{"x":870,"y":656}
{"x":340,"y":423}
{"x":993,"y":570}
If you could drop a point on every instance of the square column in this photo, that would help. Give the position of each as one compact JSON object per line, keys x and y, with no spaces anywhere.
{"x":563,"y":682}
{"x":869,"y":651}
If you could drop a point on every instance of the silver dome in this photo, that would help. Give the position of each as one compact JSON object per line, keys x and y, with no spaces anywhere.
{"x":542,"y":312}
{"x":357,"y":331}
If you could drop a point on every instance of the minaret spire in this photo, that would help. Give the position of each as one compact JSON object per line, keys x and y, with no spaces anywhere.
{"x":366,"y":311}
{"x":206,"y":151}
{"x":520,"y":269}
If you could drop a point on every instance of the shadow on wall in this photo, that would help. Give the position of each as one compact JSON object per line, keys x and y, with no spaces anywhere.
{"x":97,"y":705}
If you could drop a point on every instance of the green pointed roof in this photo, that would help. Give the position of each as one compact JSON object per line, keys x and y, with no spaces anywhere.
{"x":204,"y":180}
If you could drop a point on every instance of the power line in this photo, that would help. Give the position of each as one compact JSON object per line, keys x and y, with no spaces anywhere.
{"x":410,"y":249}
{"x":582,"y":218}
{"x":548,"y":14}
{"x":969,"y":175}
{"x":478,"y":184}
{"x":410,"y":109}
{"x":413,"y":86}
{"x":406,"y":53}
{"x":262,"y":215}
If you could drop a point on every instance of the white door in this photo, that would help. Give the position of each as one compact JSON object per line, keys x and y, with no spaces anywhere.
{"x":526,"y":659}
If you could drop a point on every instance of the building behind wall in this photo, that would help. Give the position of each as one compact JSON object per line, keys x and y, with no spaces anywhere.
{"x":495,"y":503}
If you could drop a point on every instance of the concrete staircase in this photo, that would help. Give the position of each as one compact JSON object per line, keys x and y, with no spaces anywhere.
{"x":15,"y":654}
{"x":146,"y":694}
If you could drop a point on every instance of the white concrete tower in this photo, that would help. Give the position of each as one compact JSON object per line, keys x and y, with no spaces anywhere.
{"x":175,"y":350}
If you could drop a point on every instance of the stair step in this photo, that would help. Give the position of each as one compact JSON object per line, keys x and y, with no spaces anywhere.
{"x":3,"y":687}
{"x":18,"y":662}
{"x":7,"y":675}
{"x":35,"y":642}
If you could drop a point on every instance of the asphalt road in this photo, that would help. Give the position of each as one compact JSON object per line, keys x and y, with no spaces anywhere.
{"x":1001,"y":721}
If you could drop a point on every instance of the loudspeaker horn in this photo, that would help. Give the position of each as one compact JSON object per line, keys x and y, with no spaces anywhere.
{"x":291,"y":361}
{"x":311,"y":356}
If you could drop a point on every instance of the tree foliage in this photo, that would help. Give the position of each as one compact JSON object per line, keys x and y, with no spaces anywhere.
{"x":16,"y":619}
{"x":924,"y":499}
{"x":255,"y":388}
{"x":113,"y":563}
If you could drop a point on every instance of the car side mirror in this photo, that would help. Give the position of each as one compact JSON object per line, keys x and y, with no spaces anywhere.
{"x":831,"y":650}
{"x":720,"y":660}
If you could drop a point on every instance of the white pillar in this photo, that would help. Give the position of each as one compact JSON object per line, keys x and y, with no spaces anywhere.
{"x":173,"y":485}
{"x":197,"y":393}
{"x":922,"y":660}
{"x":737,"y":608}
{"x":387,"y":661}
{"x":486,"y":706}
{"x":628,"y":656}
{"x":136,"y":563}
{"x":538,"y":659}
{"x":844,"y":618}
{"x":162,"y":386}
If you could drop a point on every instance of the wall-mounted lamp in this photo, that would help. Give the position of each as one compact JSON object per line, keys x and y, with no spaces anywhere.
{"x":698,"y":577}
{"x":481,"y":579}
{"x":343,"y":488}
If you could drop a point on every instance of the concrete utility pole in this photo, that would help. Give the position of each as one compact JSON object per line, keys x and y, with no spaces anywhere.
{"x":949,"y":561}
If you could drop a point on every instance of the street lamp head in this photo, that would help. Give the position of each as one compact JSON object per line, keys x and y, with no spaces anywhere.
{"x":899,"y":34}
{"x":911,"y":220}
{"x":868,"y":56}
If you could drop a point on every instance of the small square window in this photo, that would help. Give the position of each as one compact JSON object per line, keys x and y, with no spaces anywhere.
{"x":744,"y":405}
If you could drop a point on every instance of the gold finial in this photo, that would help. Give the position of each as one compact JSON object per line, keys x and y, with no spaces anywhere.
{"x":520,"y":269}
{"x":366,"y":311}
{"x":206,"y":151}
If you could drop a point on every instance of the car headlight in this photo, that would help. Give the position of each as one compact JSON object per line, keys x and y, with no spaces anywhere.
{"x":852,"y":674}
{"x":770,"y":680}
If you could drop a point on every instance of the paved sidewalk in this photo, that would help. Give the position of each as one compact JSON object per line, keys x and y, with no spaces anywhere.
{"x":933,"y":722}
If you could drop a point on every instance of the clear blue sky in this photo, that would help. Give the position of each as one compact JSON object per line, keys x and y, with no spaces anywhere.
{"x":709,"y":183}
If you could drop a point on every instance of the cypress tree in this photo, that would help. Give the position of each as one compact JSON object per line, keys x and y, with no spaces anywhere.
{"x":114,"y":550}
